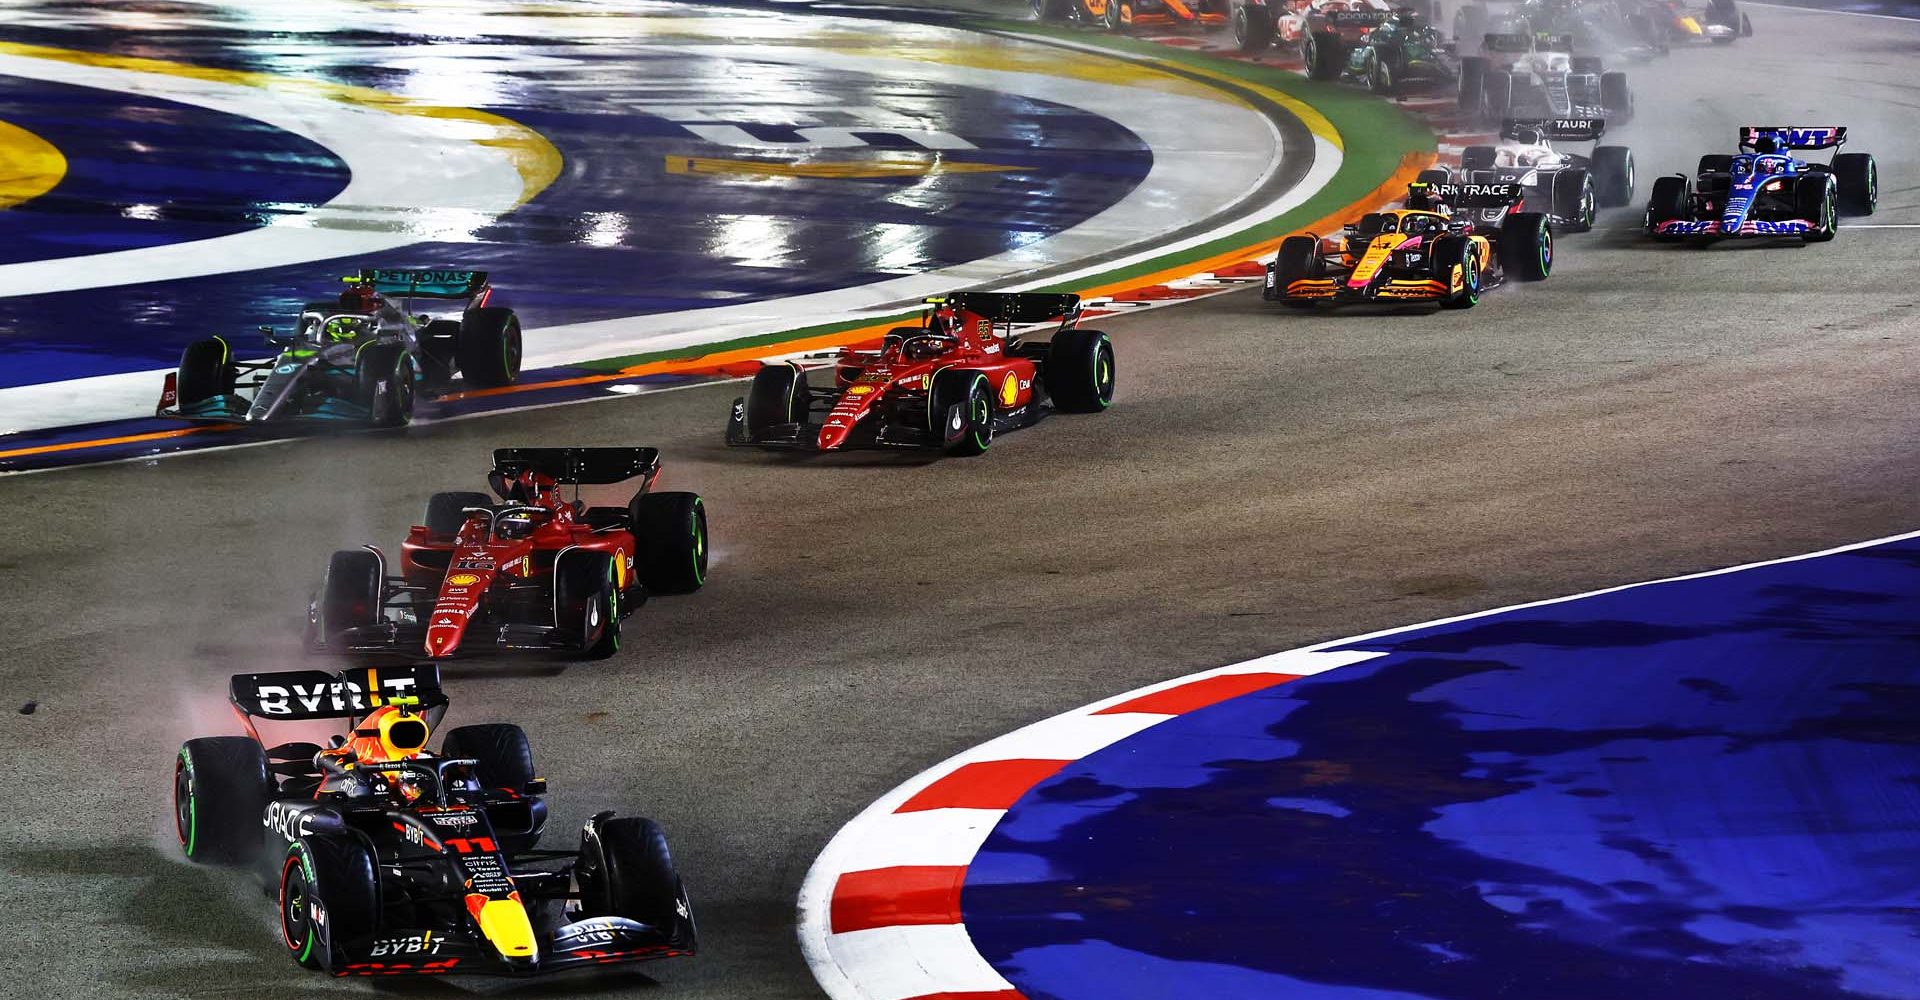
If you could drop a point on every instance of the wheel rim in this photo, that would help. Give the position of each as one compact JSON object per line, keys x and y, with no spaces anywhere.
{"x":1546,"y":249}
{"x":1104,"y":375}
{"x":510,"y":349}
{"x":295,"y":929}
{"x":699,"y":544}
{"x":1240,"y":26}
{"x":184,"y":825}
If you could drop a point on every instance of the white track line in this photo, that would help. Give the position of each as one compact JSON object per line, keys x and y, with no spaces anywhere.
{"x":918,"y":957}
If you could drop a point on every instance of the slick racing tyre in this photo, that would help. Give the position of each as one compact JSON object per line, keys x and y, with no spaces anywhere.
{"x":1613,"y":175}
{"x":960,"y":412}
{"x":1252,"y":27}
{"x":1616,"y":97}
{"x":488,"y":348}
{"x":1473,"y":84}
{"x":388,"y":375}
{"x":1496,"y":96}
{"x":1452,"y":251}
{"x":446,"y":515}
{"x":586,"y":600}
{"x":1052,"y":11}
{"x":778,"y":396}
{"x":627,"y":871}
{"x":1118,"y":16}
{"x":1815,"y":201}
{"x":1574,"y":199}
{"x":1380,"y":76}
{"x":206,"y":371}
{"x":1713,"y":164}
{"x":1325,"y":55}
{"x":352,"y":594}
{"x":1859,"y":178}
{"x":1669,"y":202}
{"x":221,"y":787}
{"x":1079,"y":372}
{"x":1526,"y":245}
{"x":1299,"y":257}
{"x":502,"y":760}
{"x":670,"y":533}
{"x":332,"y":873}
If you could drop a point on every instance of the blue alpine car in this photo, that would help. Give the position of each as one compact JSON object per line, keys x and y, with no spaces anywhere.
{"x":1764,"y":191}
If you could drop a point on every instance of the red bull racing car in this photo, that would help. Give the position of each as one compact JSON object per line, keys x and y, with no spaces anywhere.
{"x":388,"y":858}
{"x":950,"y":384}
{"x":538,"y":570}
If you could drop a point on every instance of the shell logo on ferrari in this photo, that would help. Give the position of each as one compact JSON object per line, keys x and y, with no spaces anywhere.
{"x":859,"y":390}
{"x":462,"y":580}
{"x":1009,"y":390}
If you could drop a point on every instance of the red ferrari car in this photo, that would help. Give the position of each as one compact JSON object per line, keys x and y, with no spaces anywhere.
{"x":951,"y":383}
{"x":537,"y":571}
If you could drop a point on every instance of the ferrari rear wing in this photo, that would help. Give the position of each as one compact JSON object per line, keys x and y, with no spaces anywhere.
{"x":1016,"y":308}
{"x":1795,"y":136}
{"x":586,"y":466}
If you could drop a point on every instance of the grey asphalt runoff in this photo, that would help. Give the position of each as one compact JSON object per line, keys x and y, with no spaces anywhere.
{"x":1267,"y":479}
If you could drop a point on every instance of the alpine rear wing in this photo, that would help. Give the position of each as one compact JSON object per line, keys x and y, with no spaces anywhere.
{"x":423,"y":284}
{"x":1556,"y":129}
{"x":580,"y":466}
{"x":1795,"y":136}
{"x":301,"y":695}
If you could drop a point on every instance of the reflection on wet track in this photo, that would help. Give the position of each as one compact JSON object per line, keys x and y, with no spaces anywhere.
{"x":705,"y":161}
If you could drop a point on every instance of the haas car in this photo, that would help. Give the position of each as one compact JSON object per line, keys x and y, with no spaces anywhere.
{"x":388,"y":858}
{"x":1765,"y":191}
{"x":1452,"y":242}
{"x":1525,"y":76}
{"x":950,"y":384}
{"x":533,"y":570}
{"x":1118,"y":15}
{"x":359,"y":359}
{"x":1571,"y":188}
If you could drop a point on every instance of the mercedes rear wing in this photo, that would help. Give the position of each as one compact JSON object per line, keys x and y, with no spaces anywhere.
{"x":422,"y":284}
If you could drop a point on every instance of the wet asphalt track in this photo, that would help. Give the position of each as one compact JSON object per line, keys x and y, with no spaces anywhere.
{"x":1266,"y":480}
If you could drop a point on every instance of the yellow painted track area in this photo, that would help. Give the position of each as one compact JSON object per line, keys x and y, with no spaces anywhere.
{"x":29,"y":165}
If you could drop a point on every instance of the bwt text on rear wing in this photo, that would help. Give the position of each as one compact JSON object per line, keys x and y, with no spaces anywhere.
{"x":1795,"y":136}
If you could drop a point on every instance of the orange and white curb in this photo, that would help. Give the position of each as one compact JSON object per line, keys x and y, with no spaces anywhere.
{"x":880,"y":908}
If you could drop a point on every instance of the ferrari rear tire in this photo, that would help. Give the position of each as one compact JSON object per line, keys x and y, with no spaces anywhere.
{"x":960,"y":412}
{"x":1079,"y":371}
{"x":1613,"y":175}
{"x":206,"y":371}
{"x":352,"y":594}
{"x":1859,"y":178}
{"x":586,"y":598}
{"x":334,"y":873}
{"x":777,"y":396}
{"x":221,"y":787}
{"x":670,"y":532}
{"x":628,"y":871}
{"x":489,"y":347}
{"x":1526,"y":245}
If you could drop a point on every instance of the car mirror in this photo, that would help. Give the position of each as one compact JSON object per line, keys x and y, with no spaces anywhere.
{"x":275,"y":339}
